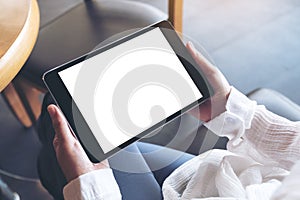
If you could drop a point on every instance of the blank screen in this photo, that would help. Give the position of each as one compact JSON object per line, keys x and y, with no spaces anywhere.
{"x":129,"y":88}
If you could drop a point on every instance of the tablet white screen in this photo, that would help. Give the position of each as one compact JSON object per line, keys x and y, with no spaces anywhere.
{"x":133,"y":86}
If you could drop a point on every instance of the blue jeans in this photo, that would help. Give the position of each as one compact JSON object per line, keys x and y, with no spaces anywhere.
{"x":139,"y":170}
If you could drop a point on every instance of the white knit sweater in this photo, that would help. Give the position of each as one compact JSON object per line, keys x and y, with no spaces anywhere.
{"x":262,"y":149}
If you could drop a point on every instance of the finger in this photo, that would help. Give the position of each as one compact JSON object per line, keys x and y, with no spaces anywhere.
{"x":202,"y":62}
{"x":60,"y":125}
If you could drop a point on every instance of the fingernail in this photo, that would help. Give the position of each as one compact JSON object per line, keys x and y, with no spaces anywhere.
{"x":192,"y":45}
{"x":51,"y":111}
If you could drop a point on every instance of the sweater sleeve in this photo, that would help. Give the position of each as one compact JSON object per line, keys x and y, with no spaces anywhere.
{"x":96,"y":185}
{"x":256,"y":132}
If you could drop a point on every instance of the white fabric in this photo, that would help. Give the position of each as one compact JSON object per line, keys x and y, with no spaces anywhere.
{"x":262,"y":149}
{"x":96,"y":185}
{"x":290,"y":185}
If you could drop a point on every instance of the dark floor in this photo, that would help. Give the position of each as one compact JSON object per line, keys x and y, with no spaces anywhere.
{"x":255,"y":43}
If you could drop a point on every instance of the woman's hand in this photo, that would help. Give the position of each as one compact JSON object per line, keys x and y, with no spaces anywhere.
{"x":216,"y":104}
{"x":70,"y":154}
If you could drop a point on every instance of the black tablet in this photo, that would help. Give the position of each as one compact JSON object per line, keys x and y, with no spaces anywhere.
{"x":121,"y":92}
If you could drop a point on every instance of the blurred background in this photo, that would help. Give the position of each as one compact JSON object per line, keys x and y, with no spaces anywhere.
{"x":255,"y":43}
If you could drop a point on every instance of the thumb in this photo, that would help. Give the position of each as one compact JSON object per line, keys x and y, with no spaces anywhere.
{"x":202,"y":62}
{"x":61,"y":128}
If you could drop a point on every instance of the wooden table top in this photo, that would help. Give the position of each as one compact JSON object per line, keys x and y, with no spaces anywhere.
{"x":19,"y":25}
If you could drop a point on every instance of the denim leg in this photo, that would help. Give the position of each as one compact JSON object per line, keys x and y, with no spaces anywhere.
{"x":162,"y":161}
{"x":141,"y":168}
{"x":134,"y":177}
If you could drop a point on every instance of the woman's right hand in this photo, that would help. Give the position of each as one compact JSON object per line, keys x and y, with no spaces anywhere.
{"x":216,"y":104}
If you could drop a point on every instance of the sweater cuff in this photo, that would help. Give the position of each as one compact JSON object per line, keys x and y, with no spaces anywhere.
{"x":237,"y":117}
{"x":99,"y":184}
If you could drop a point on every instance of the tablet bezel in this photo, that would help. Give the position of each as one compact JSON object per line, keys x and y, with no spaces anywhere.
{"x":67,"y":105}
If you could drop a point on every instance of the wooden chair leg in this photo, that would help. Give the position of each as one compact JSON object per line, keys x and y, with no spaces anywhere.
{"x":15,"y":103}
{"x":31,"y":97}
{"x":176,"y":14}
{"x":24,"y":101}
